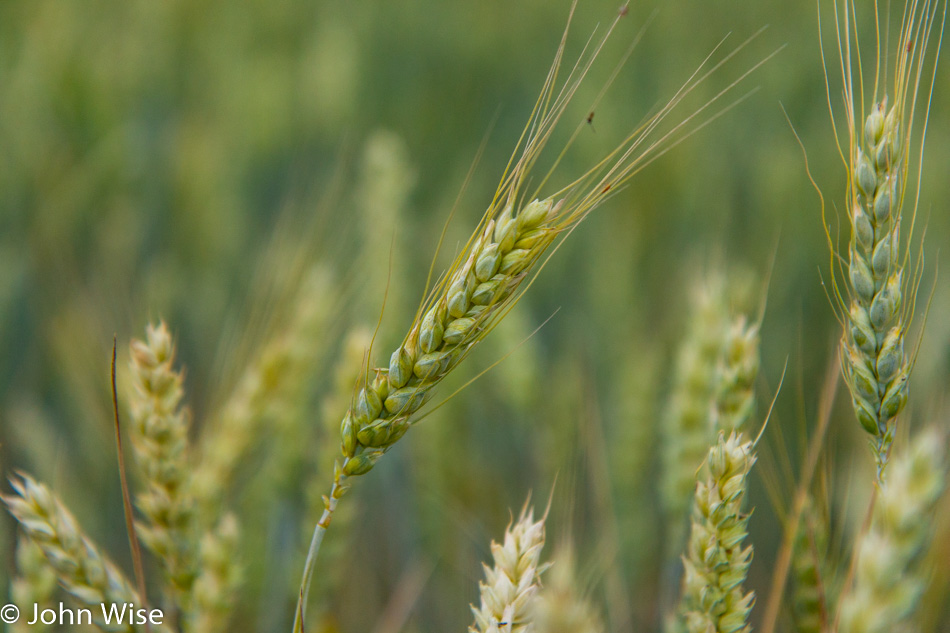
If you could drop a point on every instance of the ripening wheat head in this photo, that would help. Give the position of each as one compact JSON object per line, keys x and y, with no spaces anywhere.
{"x":496,"y":264}
{"x":488,"y":276}
{"x":876,"y":305}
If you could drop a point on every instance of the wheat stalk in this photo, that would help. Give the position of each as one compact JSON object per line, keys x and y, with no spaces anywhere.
{"x":160,"y":445}
{"x":486,"y":279}
{"x":888,"y":582}
{"x":877,"y":303}
{"x":809,"y":602}
{"x":80,"y":567}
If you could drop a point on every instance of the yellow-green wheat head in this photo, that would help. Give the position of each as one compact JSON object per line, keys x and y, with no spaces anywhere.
{"x":876,"y":300}
{"x":506,"y":249}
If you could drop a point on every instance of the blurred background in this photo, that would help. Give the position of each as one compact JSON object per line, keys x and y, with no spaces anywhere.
{"x":230,"y":166}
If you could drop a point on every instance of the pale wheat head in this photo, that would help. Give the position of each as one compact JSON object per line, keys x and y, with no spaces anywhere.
{"x":159,"y":437}
{"x":512,"y":582}
{"x":716,"y":562}
{"x":81,"y":568}
{"x":888,"y":580}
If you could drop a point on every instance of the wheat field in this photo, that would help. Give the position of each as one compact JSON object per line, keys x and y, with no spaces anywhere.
{"x":516,"y":316}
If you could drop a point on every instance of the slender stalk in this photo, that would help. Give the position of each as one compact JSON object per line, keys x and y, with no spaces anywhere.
{"x":783,"y":560}
{"x":316,"y":541}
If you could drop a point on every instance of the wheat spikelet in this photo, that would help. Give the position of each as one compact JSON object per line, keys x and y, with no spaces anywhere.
{"x":512,"y":583}
{"x":34,"y":583}
{"x":81,"y":568}
{"x":888,"y":582}
{"x":880,"y":288}
{"x":716,"y":563}
{"x":160,"y":444}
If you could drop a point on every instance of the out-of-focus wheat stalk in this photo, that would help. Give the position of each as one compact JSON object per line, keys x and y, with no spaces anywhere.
{"x":81,"y":568}
{"x":888,"y":581}
{"x":34,"y":584}
{"x":559,"y":606}
{"x":272,"y":379}
{"x":713,"y":391}
{"x":809,"y":597}
{"x":160,"y":444}
{"x":216,"y":584}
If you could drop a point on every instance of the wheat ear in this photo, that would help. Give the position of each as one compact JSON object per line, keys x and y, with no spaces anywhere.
{"x":80,"y":567}
{"x":873,"y":360}
{"x":880,"y":288}
{"x":686,"y":422}
{"x":888,"y":582}
{"x":716,"y":563}
{"x":512,"y":583}
{"x":738,"y":370}
{"x":160,"y":445}
{"x":486,"y":279}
